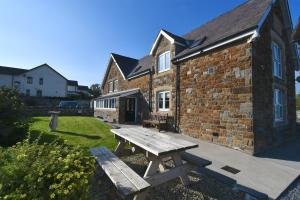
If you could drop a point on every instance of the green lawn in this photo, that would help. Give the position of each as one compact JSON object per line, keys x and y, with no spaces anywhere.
{"x":85,"y":132}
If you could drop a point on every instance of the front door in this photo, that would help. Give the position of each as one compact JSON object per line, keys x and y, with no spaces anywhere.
{"x":130,"y":109}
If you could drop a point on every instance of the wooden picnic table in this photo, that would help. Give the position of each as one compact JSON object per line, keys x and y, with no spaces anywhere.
{"x":158,"y":147}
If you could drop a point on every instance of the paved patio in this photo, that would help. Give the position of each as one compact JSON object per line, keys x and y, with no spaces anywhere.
{"x":268,"y":175}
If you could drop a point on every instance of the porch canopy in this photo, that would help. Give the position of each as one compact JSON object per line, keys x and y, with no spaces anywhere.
{"x":123,"y":93}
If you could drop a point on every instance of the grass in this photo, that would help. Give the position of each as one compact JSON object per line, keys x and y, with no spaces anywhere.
{"x":80,"y":131}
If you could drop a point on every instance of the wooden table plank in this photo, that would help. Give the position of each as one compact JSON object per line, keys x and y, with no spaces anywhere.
{"x":123,"y":177}
{"x":156,"y":143}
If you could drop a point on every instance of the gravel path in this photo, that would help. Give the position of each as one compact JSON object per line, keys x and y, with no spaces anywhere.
{"x":202,"y":187}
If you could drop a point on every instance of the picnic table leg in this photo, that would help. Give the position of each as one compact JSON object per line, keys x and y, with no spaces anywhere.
{"x":120,"y":147}
{"x":151,"y":169}
{"x":178,"y":162}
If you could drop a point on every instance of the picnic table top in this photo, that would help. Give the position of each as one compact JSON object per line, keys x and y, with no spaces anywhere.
{"x":152,"y":141}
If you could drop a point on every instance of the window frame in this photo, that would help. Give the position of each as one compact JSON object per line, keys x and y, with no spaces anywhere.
{"x":109,"y":103}
{"x":29,"y":80}
{"x":278,"y":103}
{"x":37,"y":93}
{"x":41,"y":81}
{"x":110,"y":86}
{"x":165,"y":61}
{"x":277,"y":60}
{"x":115,"y":89}
{"x":164,"y":109}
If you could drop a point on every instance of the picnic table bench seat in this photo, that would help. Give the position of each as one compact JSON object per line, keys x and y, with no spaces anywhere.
{"x":160,"y":121}
{"x":127,"y":181}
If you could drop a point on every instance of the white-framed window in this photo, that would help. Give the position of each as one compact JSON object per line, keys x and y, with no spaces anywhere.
{"x":39,"y":93}
{"x":41,"y":81}
{"x":164,"y":62}
{"x":278,"y":104}
{"x":29,"y":80}
{"x":116,"y":85}
{"x":106,"y":103}
{"x":110,"y":86}
{"x":277,"y":60}
{"x":163,"y":99}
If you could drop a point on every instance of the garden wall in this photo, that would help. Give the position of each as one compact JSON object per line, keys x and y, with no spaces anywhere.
{"x":44,"y":111}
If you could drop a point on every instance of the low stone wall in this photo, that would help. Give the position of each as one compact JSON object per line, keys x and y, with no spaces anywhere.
{"x":110,"y":115}
{"x":44,"y":111}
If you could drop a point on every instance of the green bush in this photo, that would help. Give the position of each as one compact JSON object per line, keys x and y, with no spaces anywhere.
{"x":44,"y":171}
{"x":13,"y":120}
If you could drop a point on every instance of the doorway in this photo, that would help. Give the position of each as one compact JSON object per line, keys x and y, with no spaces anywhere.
{"x":130,"y":109}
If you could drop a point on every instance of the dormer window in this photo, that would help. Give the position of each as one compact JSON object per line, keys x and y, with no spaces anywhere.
{"x":164,"y":62}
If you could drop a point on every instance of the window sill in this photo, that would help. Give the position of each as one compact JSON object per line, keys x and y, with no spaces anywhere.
{"x":163,"y":71}
{"x":278,"y":77}
{"x":278,"y":120}
{"x":164,"y":110}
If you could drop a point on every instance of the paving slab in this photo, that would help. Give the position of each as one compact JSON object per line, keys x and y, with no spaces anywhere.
{"x":269,"y":174}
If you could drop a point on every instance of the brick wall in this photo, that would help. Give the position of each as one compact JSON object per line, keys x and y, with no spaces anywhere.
{"x":216,"y":96}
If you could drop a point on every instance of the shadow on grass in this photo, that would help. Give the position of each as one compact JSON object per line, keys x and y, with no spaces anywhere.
{"x":45,"y":137}
{"x":93,"y":137}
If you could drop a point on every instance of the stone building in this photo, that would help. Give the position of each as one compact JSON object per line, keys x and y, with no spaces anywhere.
{"x":231,"y":81}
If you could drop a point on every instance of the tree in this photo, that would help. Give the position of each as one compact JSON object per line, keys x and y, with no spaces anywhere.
{"x":13,"y":119}
{"x":95,"y":90}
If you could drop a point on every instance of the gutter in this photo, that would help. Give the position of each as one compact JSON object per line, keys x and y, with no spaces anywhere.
{"x":254,"y":33}
{"x":143,"y":73}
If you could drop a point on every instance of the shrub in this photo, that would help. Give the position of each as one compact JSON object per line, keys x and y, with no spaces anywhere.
{"x":13,"y":121}
{"x":44,"y":171}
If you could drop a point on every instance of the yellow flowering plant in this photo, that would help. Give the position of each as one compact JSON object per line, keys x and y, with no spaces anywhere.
{"x":29,"y":170}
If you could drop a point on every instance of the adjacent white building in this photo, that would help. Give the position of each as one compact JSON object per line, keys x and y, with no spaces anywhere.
{"x":40,"y":81}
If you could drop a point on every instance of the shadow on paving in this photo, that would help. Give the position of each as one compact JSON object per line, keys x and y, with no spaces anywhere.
{"x":288,"y":151}
{"x":93,"y":137}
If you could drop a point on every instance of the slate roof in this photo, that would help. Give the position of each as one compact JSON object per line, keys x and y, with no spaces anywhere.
{"x":123,"y":93}
{"x":177,"y":38}
{"x":241,"y":19}
{"x":72,"y":83}
{"x":143,"y":65}
{"x":12,"y":70}
{"x":126,"y":64}
{"x":246,"y":17}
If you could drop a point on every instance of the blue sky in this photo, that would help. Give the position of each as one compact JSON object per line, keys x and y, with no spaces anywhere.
{"x":76,"y":37}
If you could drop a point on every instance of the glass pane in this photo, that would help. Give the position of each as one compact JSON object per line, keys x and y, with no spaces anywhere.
{"x":167,"y":58}
{"x":167,"y":100}
{"x":160,"y":100}
{"x":161,"y":63}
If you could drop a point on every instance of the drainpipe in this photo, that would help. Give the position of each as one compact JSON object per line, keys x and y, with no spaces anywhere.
{"x":150,"y":90}
{"x":177,"y":98}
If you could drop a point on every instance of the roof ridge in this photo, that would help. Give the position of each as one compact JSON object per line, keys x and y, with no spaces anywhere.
{"x":115,"y":54}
